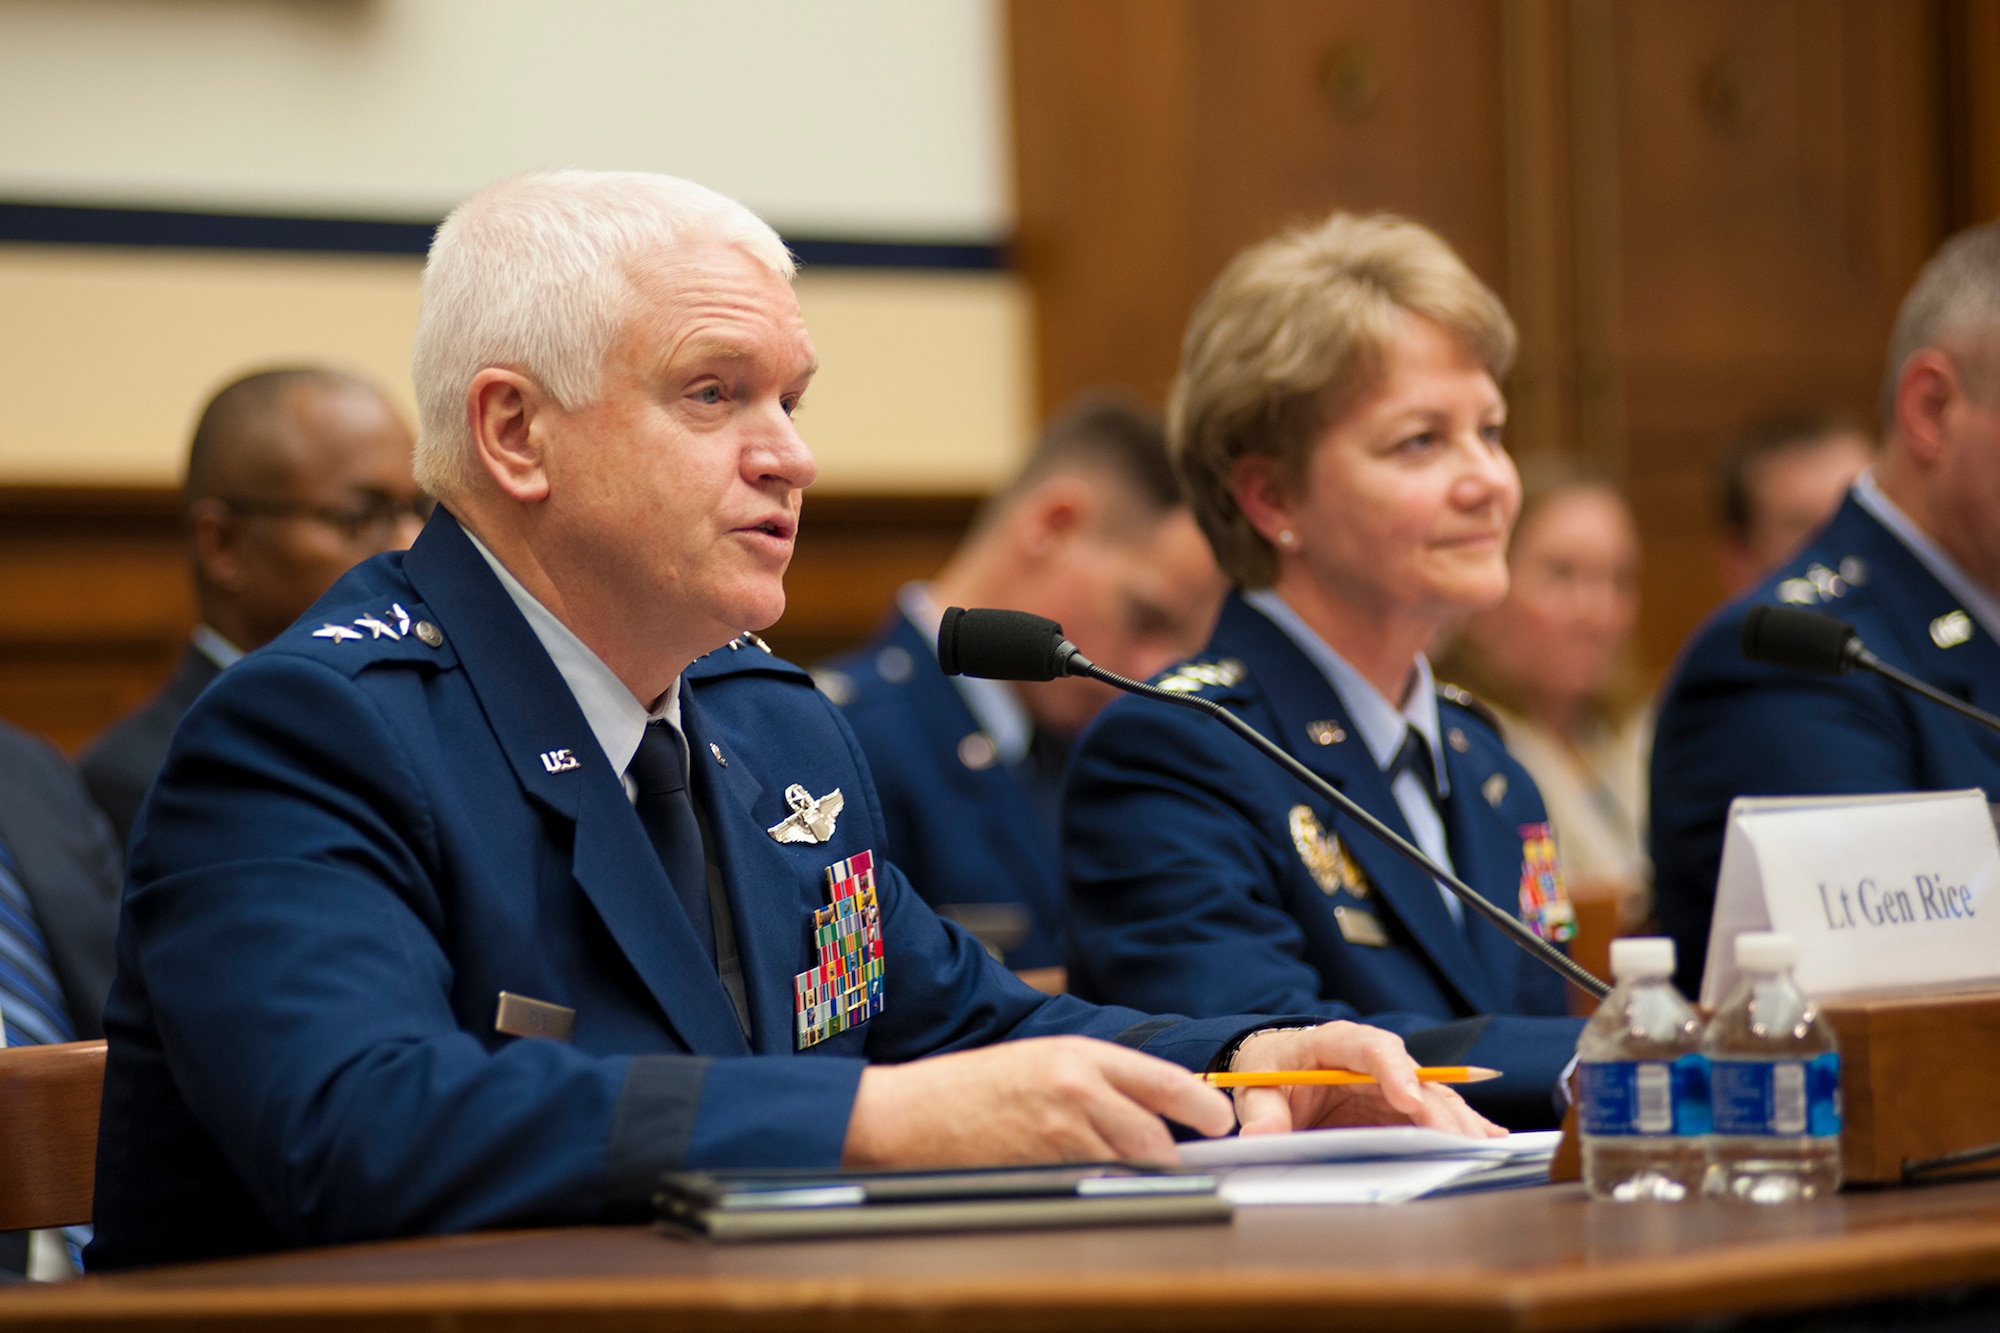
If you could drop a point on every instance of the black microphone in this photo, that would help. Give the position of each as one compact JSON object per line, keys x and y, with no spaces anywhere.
{"x":1791,"y":636}
{"x":1013,"y":645}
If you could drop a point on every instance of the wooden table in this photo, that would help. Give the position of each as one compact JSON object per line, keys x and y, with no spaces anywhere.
{"x":1543,"y":1258}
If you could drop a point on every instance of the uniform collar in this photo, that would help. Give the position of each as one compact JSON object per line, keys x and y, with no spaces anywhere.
{"x":994,"y":705}
{"x":1379,"y":722}
{"x":216,"y":648}
{"x":615,"y":716}
{"x":1982,"y":604}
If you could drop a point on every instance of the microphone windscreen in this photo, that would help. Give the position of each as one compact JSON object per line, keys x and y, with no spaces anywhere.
{"x":1789,"y":636}
{"x":999,"y":645}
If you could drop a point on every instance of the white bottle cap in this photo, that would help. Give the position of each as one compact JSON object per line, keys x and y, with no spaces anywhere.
{"x":1766,"y":951}
{"x":1642,"y":958}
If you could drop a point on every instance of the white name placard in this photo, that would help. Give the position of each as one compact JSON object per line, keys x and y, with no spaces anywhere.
{"x":1879,"y":891}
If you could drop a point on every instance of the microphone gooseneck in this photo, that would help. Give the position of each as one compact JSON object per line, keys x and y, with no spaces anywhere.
{"x":990,"y":643}
{"x":1791,"y":636}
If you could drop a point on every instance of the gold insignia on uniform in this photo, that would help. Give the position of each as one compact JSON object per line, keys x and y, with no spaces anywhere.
{"x":1191,"y":676}
{"x":1359,"y":927}
{"x":1325,"y":733}
{"x":1494,"y":789}
{"x":1456,"y":740}
{"x":1326,"y":857}
{"x":1951,"y":629}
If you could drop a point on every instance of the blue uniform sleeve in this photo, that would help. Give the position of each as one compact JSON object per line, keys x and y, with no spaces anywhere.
{"x":1732,"y":728}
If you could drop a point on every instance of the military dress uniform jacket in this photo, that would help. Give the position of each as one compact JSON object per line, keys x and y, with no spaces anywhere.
{"x":1204,"y":879}
{"x":958,"y":821}
{"x":360,"y":839}
{"x":1730,"y":727}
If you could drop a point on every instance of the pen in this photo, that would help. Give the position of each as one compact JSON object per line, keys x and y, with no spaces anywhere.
{"x":1285,"y":1078}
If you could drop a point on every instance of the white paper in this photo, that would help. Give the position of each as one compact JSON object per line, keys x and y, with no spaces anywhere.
{"x":1880,"y":892}
{"x":1392,"y":1181}
{"x":1380,"y":1143}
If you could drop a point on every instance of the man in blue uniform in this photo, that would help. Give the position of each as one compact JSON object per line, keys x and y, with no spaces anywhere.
{"x":1094,"y":535}
{"x":294,"y":475}
{"x":1912,"y":561}
{"x":513,"y":874}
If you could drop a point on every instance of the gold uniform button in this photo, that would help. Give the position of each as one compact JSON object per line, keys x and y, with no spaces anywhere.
{"x":976,"y":751}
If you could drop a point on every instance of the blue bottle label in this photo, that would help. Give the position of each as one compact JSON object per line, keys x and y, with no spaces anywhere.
{"x":1777,"y":1098}
{"x":1650,"y":1098}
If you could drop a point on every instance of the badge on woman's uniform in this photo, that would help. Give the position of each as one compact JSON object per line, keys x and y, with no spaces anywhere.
{"x":1545,"y":904}
{"x":1335,"y":870}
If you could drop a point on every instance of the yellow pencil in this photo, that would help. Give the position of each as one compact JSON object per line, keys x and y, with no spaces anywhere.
{"x":1285,"y":1078}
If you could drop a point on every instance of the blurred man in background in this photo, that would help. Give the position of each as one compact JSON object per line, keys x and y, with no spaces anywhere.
{"x":1093,"y":534}
{"x":294,"y":476}
{"x":1911,"y":560}
{"x":1780,"y":481}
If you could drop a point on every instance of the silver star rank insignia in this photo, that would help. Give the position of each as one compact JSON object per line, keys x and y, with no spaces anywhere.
{"x":812,"y":817}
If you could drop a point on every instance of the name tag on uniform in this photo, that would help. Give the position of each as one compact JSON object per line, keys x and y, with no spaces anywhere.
{"x":1361,"y":927}
{"x":520,"y":1016}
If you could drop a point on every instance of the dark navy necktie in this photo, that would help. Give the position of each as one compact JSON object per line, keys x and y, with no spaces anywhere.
{"x":666,"y":808}
{"x":1415,"y":757}
{"x":31,"y":1001}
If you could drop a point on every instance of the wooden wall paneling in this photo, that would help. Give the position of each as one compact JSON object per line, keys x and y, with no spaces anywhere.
{"x":1155,"y":138}
{"x":1778,"y":186}
{"x":1541,"y":232}
{"x":1971,"y":34}
{"x":95,"y":603}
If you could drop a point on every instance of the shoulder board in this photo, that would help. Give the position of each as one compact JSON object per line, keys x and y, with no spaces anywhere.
{"x":1471,"y":703}
{"x":364,"y":634}
{"x":1817,"y":584}
{"x":743,"y":655}
{"x":1220,"y":675}
{"x":835,"y":684}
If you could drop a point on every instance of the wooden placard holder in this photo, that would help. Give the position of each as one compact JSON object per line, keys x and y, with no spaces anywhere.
{"x":1919,"y":1077}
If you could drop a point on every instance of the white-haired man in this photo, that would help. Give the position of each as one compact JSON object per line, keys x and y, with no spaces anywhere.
{"x":515,"y":873}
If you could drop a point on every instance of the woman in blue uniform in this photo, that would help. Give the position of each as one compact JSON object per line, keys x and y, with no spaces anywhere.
{"x":1337,"y":421}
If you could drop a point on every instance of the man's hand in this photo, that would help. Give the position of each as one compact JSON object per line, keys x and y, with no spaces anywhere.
{"x":1047,"y":1099}
{"x":1396,"y":1098}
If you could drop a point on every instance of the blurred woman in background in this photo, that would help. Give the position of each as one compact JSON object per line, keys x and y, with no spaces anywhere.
{"x":1554,"y":661}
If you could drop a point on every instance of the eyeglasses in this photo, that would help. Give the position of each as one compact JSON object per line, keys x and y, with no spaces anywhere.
{"x":371,"y":517}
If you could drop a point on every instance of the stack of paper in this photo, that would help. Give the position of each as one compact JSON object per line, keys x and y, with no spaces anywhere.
{"x":1392,"y":1165}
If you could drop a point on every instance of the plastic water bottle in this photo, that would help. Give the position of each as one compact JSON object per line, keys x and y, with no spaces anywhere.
{"x":1643,"y":1104}
{"x":1774,"y":1081}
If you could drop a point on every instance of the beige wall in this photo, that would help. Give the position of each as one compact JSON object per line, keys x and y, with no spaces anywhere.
{"x":106,"y":356}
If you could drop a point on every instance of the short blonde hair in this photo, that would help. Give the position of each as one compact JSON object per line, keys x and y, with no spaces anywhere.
{"x":536,"y":274}
{"x":1293,"y":333}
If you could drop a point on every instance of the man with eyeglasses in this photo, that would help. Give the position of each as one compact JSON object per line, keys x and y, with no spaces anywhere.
{"x":294,"y":476}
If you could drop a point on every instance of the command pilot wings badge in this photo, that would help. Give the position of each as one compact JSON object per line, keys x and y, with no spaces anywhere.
{"x":812,"y":816}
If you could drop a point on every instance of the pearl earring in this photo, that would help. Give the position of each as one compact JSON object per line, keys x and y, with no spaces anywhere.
{"x":1285,"y":537}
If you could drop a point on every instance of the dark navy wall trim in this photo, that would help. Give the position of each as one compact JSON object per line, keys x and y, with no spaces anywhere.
{"x":69,"y":224}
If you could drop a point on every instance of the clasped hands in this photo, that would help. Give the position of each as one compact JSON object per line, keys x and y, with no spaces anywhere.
{"x":1055,"y":1099}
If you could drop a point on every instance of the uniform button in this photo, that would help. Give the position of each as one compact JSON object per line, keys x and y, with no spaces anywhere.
{"x":432,"y":636}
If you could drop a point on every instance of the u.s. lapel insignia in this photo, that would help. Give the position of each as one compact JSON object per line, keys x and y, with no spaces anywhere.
{"x":812,"y":817}
{"x":1951,"y":629}
{"x":847,"y":987}
{"x":1494,"y":789}
{"x":1326,"y":857}
{"x":1545,"y":903}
